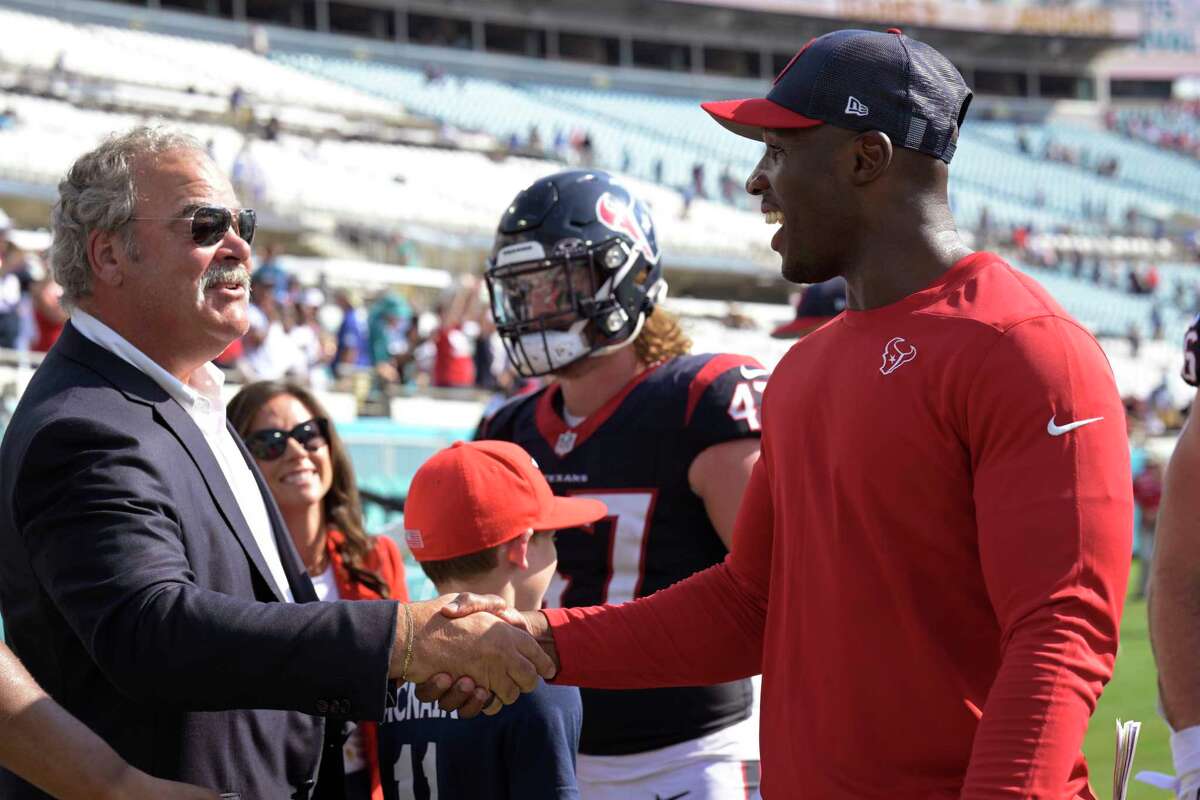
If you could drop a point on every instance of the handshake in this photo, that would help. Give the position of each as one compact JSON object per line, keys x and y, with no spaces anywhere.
{"x":471,"y":652}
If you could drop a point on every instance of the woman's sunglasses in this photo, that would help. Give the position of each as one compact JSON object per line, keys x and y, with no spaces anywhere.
{"x":210,"y":223}
{"x":269,"y":444}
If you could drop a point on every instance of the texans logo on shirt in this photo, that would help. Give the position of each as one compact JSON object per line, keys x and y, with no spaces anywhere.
{"x":894,"y":355}
{"x":623,"y":218}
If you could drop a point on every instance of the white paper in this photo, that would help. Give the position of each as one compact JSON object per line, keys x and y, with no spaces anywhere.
{"x":1127,"y":736}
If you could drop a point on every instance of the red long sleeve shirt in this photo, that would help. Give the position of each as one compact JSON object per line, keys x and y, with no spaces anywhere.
{"x":930,"y":560}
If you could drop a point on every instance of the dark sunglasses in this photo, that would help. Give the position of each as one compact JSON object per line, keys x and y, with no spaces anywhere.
{"x":210,"y":223}
{"x":269,"y":444}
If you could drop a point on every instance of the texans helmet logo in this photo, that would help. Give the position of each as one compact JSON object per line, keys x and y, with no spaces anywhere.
{"x":622,"y":218}
{"x":894,"y":356}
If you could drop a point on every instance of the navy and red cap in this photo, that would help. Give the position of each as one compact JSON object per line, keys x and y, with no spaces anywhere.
{"x":818,"y":304}
{"x":864,"y":81}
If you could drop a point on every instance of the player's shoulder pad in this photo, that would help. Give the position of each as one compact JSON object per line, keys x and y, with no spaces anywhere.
{"x":1191,"y":352}
{"x":496,"y":424}
{"x":717,"y":378}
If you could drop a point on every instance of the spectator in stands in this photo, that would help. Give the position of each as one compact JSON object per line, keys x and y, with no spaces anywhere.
{"x":454,"y":339}
{"x":387,"y":324}
{"x":729,"y":186}
{"x":48,"y":314}
{"x":698,"y":189}
{"x":587,"y":152}
{"x":314,"y":345}
{"x":8,"y":118}
{"x":1023,"y":141}
{"x":15,"y":280}
{"x":292,"y":292}
{"x":1147,"y":493}
{"x":1157,"y":322}
{"x":405,"y":250}
{"x":432,"y":73}
{"x":688,"y":196}
{"x":269,"y":353}
{"x":237,"y":100}
{"x":489,"y":356}
{"x":1133,"y":335}
{"x":249,"y":179}
{"x":46,"y":745}
{"x":308,"y":471}
{"x":352,"y":347}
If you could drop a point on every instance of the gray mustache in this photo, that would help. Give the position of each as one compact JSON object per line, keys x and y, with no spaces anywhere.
{"x":234,"y":275}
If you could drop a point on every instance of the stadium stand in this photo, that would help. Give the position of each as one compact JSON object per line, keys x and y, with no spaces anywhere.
{"x":209,"y":71}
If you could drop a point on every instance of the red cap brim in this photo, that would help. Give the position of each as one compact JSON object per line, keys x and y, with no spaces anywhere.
{"x":570,"y":512}
{"x":798,"y":327}
{"x":748,"y":117}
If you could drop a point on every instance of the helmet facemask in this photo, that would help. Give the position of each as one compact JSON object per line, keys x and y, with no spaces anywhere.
{"x":552,"y":311}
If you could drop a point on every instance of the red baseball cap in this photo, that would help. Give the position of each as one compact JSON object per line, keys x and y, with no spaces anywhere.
{"x":476,"y":495}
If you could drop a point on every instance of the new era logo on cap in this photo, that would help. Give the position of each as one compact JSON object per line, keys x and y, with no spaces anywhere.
{"x":855,"y":106}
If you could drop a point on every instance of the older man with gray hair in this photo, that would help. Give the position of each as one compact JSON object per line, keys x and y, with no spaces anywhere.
{"x":146,"y":577}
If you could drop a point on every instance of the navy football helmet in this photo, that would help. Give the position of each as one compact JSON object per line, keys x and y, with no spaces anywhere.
{"x":574,"y":271}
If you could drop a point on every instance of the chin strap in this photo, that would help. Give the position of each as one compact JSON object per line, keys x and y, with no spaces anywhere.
{"x":654,"y":295}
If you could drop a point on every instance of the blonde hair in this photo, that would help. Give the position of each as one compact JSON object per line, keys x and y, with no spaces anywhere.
{"x":662,"y":338}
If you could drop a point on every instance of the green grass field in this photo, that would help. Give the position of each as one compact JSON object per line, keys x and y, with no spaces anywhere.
{"x":1131,"y":694}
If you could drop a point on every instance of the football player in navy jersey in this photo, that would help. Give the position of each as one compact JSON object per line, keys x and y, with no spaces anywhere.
{"x":1173,"y":609}
{"x":664,"y":438}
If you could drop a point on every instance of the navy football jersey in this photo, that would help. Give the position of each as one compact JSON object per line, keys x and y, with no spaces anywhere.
{"x":634,"y":454}
{"x":526,"y":752}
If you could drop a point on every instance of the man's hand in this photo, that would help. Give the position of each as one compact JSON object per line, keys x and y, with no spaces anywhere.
{"x":464,"y":696}
{"x":486,"y":647}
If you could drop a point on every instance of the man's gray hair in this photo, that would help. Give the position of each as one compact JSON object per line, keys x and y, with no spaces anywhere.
{"x":98,"y":195}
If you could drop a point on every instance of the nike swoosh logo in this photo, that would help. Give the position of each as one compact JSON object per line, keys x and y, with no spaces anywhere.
{"x":674,"y":796}
{"x":749,"y":373}
{"x":1059,"y":430}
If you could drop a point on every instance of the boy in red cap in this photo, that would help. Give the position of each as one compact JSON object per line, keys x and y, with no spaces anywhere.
{"x":480,"y":517}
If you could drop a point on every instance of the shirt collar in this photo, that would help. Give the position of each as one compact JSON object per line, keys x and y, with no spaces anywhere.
{"x":202,"y":393}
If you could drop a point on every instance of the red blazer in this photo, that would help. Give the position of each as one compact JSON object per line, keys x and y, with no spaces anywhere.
{"x":385,"y":559}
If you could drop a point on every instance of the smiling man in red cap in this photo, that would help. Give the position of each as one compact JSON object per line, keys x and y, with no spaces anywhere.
{"x":930,"y":559}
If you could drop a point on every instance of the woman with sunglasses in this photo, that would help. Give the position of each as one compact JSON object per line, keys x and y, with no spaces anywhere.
{"x":308,"y":470}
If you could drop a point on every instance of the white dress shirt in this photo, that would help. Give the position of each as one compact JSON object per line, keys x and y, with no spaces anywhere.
{"x":201,"y":399}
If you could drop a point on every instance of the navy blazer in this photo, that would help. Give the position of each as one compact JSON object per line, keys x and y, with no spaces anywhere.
{"x":132,"y":589}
